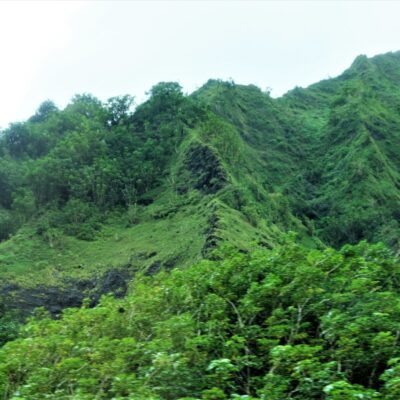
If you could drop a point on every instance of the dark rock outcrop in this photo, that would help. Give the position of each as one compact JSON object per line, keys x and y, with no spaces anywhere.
{"x":71,"y":293}
{"x":207,"y":173}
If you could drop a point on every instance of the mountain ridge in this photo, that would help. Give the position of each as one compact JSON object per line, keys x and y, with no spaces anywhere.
{"x":211,"y":246}
{"x":88,"y":188}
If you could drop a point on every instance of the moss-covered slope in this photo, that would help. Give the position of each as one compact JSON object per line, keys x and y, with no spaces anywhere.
{"x":98,"y":189}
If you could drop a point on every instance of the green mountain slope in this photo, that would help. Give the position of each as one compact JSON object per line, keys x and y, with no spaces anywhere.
{"x":209,"y":218}
{"x":97,"y":187}
{"x":358,"y":164}
{"x":120,"y":192}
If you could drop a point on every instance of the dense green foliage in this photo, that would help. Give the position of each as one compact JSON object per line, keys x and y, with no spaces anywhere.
{"x":272,"y":324}
{"x":352,"y":181}
{"x":191,"y":197}
{"x":89,"y":153}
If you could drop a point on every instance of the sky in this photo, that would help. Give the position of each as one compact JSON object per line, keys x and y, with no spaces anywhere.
{"x":55,"y":49}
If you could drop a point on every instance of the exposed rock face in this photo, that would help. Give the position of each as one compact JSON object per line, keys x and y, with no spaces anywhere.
{"x":207,"y":173}
{"x":71,"y":294}
{"x":211,"y":233}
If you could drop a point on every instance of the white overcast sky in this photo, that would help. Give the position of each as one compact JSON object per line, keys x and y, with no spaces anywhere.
{"x":55,"y":49}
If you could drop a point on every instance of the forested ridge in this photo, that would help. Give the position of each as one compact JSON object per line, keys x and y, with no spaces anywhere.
{"x":217,"y":245}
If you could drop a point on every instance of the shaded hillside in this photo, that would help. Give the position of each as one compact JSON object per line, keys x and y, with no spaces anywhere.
{"x":355,"y":172}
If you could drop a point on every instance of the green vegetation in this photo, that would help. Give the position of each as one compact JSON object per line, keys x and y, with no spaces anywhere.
{"x":178,"y":211}
{"x":272,"y":324}
{"x":352,"y":182}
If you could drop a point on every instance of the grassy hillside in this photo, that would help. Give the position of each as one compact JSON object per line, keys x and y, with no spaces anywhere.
{"x":107,"y":198}
{"x":97,"y":187}
{"x":154,"y":189}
